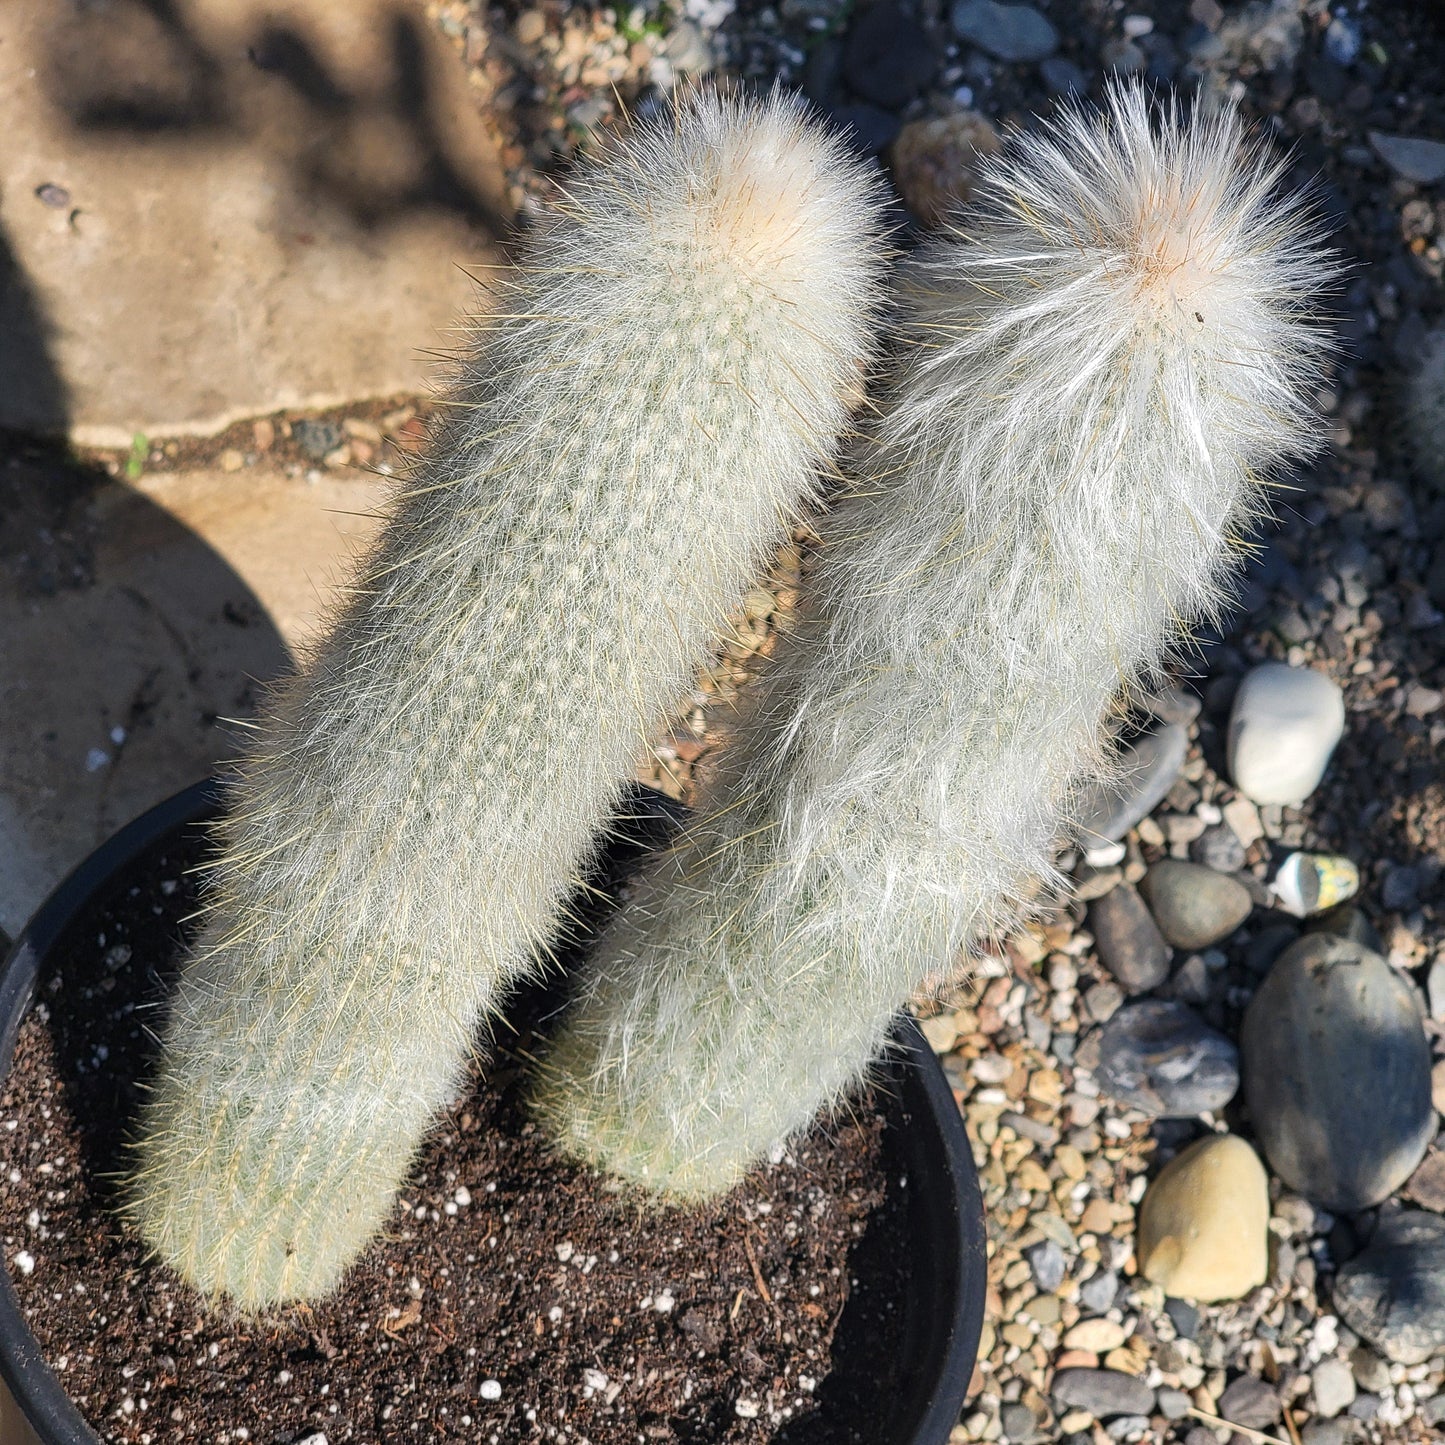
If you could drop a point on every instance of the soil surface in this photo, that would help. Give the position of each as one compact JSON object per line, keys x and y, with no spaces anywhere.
{"x":513,"y":1297}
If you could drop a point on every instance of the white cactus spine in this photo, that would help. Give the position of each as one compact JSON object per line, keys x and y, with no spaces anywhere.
{"x":638,"y":424}
{"x":1099,"y":374}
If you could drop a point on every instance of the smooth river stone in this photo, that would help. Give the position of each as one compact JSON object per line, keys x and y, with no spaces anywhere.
{"x":1193,"y":905}
{"x":1393,"y":1292}
{"x":1164,"y":1059}
{"x":1204,"y":1222}
{"x":1283,"y":727}
{"x":1337,"y":1073}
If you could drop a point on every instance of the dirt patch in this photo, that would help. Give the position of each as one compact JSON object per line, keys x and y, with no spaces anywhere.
{"x":513,"y":1297}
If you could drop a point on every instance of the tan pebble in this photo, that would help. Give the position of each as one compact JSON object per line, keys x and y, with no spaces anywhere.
{"x":360,"y":429}
{"x":263,"y":432}
{"x":1075,"y":1421}
{"x":341,"y":457}
{"x":940,"y":1032}
{"x":1437,"y":1087}
{"x":935,"y":162}
{"x":1017,"y":1302}
{"x":1243,"y":818}
{"x":1133,"y":1359}
{"x":1046,"y":1087}
{"x":1077,"y":1360}
{"x":531,"y":27}
{"x":986,"y":1340}
{"x":1017,"y":1334}
{"x":231,"y":460}
{"x":1027,"y":947}
{"x":1204,"y":1222}
{"x":1098,"y":1218}
{"x":1029,"y":1176}
{"x":1015,"y":1151}
{"x":1016,"y":1271}
{"x":1071,"y":1162}
{"x":1098,"y":1335}
{"x":1044,"y":1308}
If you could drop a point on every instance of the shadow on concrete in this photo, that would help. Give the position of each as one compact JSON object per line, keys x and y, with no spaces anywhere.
{"x":126,"y":639}
{"x":28,"y":377}
{"x":377,"y":151}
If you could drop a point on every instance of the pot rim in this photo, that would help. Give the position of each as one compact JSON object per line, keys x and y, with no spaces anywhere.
{"x":956,"y":1217}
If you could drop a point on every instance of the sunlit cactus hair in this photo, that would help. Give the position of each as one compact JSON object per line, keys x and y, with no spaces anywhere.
{"x":1099,"y":367}
{"x":643,"y":415}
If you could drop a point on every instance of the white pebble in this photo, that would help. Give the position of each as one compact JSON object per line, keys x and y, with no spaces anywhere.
{"x":25,"y":1261}
{"x":746,"y":1409}
{"x":1282,"y":731}
{"x":490,"y":1389}
{"x":463,"y":1196}
{"x":565,"y":1250}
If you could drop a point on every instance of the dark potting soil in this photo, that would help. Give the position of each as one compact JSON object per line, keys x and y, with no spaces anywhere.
{"x":513,"y":1296}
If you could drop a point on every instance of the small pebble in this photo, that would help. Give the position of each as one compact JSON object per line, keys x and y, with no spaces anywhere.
{"x":1218,"y":848}
{"x":1007,"y":32}
{"x":1063,"y":77}
{"x":1332,"y":1388}
{"x":1250,"y":1402}
{"x":1161,"y":1057}
{"x":1194,"y":906}
{"x":1129,"y":942}
{"x":1184,"y":1316}
{"x":888,"y":59}
{"x":1393,"y":1292}
{"x":1097,"y":1293}
{"x":1342,"y":40}
{"x":1371,"y":1373}
{"x":1143,"y":773}
{"x":1018,"y":1423}
{"x":1098,"y":1336}
{"x":1047,"y":1262}
{"x":1102,"y":1393}
{"x":1325,"y":1432}
{"x":1410,"y":157}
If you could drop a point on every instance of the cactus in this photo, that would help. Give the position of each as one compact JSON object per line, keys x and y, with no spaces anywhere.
{"x":1094,"y":380}
{"x":636,"y":428}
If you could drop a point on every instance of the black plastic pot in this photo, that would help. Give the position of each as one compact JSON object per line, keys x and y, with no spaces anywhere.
{"x":937,"y":1340}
